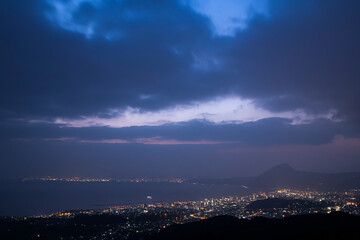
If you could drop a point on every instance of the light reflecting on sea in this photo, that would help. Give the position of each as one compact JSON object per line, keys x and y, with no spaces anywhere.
{"x":42,"y":197}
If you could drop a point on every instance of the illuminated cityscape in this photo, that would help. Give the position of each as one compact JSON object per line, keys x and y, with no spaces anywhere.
{"x":125,"y":180}
{"x":139,"y":221}
{"x":179,"y":119}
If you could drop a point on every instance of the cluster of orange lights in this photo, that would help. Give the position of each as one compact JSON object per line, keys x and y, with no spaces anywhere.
{"x":66,"y":214}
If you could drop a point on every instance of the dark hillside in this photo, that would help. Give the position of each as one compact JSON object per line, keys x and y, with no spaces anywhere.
{"x":320,"y":226}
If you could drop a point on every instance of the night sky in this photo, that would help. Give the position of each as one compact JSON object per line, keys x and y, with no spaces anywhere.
{"x":176,"y":88}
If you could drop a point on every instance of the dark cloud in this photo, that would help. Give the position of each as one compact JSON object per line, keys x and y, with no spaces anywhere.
{"x":155,"y":54}
{"x":266,"y":132}
{"x":48,"y":71}
{"x":305,"y":54}
{"x":262,"y":144}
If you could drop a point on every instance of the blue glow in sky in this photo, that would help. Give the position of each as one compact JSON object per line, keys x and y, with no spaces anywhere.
{"x":230,"y":16}
{"x":226,"y":17}
{"x":62,"y":14}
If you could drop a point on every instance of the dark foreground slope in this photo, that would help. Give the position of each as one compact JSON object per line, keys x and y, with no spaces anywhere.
{"x":319,"y":226}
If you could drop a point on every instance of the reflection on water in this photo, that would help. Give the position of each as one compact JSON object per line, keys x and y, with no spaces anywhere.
{"x":35,"y":198}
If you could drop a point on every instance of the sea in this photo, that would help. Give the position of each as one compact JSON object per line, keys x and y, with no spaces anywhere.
{"x":34,"y":198}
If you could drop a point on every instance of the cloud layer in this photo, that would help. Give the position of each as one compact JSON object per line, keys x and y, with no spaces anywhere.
{"x":302,"y":55}
{"x":186,"y":74}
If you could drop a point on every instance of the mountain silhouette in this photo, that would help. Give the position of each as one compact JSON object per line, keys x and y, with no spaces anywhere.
{"x":284,"y":175}
{"x":279,"y":169}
